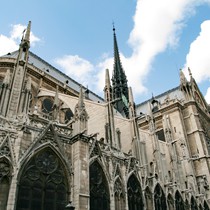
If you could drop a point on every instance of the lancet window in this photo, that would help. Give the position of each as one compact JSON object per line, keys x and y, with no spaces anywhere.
{"x":43,"y":184}
{"x":179,"y":203}
{"x":99,"y":190}
{"x":193,"y":204}
{"x":135,"y":198}
{"x":4,"y":183}
{"x":159,"y":198}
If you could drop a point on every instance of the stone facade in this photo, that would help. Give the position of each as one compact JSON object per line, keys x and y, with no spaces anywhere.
{"x":60,"y":142}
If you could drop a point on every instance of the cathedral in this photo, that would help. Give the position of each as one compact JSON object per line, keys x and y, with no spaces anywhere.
{"x":64,"y":147}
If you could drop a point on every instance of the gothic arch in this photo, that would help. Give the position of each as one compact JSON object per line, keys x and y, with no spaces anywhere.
{"x":159,"y":198}
{"x":194,"y":205}
{"x":43,"y":182}
{"x":99,"y":188}
{"x":179,"y":203}
{"x":5,"y":178}
{"x":148,"y":198}
{"x":205,"y":206}
{"x":134,"y":191}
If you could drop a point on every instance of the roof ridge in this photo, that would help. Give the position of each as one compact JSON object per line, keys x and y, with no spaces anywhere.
{"x":160,"y":95}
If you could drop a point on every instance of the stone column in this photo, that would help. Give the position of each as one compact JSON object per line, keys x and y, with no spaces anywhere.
{"x":80,"y":159}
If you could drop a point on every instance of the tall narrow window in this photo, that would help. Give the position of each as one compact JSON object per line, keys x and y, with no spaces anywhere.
{"x":159,"y":198}
{"x":206,"y":207}
{"x":4,"y":183}
{"x":43,"y":183}
{"x":135,"y":199}
{"x":193,"y":204}
{"x":99,"y":190}
{"x":179,"y":203}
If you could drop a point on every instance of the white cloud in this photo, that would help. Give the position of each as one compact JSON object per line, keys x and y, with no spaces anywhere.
{"x":198,"y":57}
{"x":207,"y":96}
{"x":11,"y":43}
{"x":7,"y":45}
{"x":76,"y":67}
{"x":157,"y":26}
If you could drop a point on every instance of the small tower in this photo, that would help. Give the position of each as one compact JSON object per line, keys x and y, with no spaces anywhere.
{"x":17,"y":84}
{"x":107,"y":88}
{"x":119,"y":82}
{"x":80,"y":115}
{"x":109,"y":127}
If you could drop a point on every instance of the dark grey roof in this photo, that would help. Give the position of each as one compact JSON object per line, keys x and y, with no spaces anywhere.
{"x":55,"y":73}
{"x":174,"y":93}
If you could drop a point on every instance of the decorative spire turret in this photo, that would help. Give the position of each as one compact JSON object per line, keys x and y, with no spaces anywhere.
{"x":80,"y":115}
{"x":119,"y":81}
{"x":185,"y":86}
{"x":107,"y":88}
{"x":18,"y":80}
{"x":28,"y":31}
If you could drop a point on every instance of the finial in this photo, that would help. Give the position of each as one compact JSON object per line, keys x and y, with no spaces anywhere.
{"x":113,"y":26}
{"x":107,"y":78}
{"x":81,"y":102}
{"x":130,"y":95}
{"x":190,"y":73}
{"x":28,"y":30}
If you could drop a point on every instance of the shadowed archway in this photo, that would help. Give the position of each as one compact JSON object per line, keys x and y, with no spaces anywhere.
{"x":135,"y":198}
{"x":5,"y":174}
{"x":99,"y":190}
{"x":194,"y":205}
{"x":159,"y":198}
{"x":43,"y":183}
{"x":179,"y":203}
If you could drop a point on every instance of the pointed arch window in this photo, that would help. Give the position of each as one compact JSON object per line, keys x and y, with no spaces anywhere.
{"x":179,"y":203}
{"x":193,"y":204}
{"x":159,"y":198}
{"x":4,"y":183}
{"x":43,"y":183}
{"x":119,"y":195}
{"x":135,"y":198}
{"x":99,"y":190}
{"x":206,"y":207}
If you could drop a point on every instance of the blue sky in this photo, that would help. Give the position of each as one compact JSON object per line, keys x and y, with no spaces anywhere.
{"x":155,"y":38}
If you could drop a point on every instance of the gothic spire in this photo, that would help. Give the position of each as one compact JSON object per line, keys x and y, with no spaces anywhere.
{"x":107,"y":88}
{"x":26,"y":37}
{"x":80,"y":114}
{"x":28,"y":31}
{"x":119,"y":81}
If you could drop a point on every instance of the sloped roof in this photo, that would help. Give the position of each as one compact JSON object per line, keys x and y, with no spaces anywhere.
{"x":55,"y":73}
{"x":174,"y":93}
